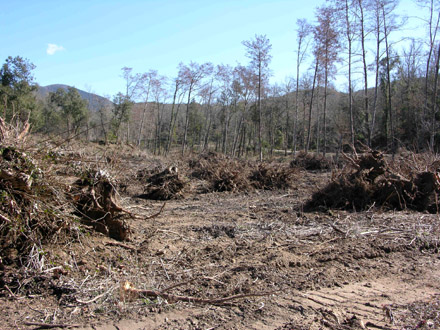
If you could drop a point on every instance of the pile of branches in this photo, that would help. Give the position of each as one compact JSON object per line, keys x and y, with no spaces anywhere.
{"x":96,"y":202}
{"x":222,"y":173}
{"x":368,"y":180}
{"x":163,"y":185}
{"x":272,"y":176}
{"x":310,"y":162}
{"x":33,"y":206}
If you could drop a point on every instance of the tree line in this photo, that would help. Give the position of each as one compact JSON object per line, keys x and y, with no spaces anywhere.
{"x":388,"y":98}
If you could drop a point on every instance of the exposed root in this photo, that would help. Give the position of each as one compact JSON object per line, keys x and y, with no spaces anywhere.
{"x":164,"y":185}
{"x":97,"y":203}
{"x":369,"y":180}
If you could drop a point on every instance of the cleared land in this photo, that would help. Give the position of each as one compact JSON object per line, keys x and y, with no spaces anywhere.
{"x":241,"y":259}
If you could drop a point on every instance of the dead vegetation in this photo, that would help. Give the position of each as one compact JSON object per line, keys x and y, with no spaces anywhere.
{"x":229,"y":174}
{"x":221,"y":172}
{"x":231,"y":261}
{"x":368,"y":180}
{"x":163,"y":185}
{"x":272,"y":176}
{"x":96,"y":202}
{"x":33,"y":208}
{"x":310,"y":162}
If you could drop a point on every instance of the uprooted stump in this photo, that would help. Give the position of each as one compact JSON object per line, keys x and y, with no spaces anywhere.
{"x":369,"y":181}
{"x":97,"y":204}
{"x":164,"y":185}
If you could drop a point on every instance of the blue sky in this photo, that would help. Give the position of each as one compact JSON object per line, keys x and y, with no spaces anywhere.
{"x":86,"y":43}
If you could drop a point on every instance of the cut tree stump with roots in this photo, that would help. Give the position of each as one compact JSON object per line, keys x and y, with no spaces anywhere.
{"x":368,"y":180}
{"x":97,"y":204}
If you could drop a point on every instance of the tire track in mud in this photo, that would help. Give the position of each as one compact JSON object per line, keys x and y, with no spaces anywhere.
{"x":370,"y":301}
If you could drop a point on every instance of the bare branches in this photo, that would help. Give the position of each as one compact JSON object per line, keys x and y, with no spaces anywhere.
{"x":128,"y":290}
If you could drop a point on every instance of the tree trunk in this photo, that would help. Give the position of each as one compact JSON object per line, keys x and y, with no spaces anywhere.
{"x":388,"y":68}
{"x":365,"y":72}
{"x":434,"y":101}
{"x":376,"y":82}
{"x":260,"y":143}
{"x":185,"y":133}
{"x":144,"y":110}
{"x":309,"y":129}
{"x":350,"y":89}
{"x":324,"y":147}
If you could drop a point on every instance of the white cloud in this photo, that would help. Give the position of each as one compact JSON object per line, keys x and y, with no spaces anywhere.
{"x":53,"y":48}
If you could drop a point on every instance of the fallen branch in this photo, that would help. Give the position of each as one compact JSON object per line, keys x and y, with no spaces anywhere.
{"x":128,"y":290}
{"x":10,"y":292}
{"x":213,"y":301}
{"x":156,"y":214}
{"x":50,"y":326}
{"x":125,"y":246}
{"x":2,"y":217}
{"x":97,"y":297}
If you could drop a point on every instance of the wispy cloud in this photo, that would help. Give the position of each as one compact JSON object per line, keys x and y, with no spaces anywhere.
{"x":53,"y":48}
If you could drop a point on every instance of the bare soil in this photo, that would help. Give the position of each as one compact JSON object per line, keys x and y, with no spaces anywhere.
{"x":374,"y":269}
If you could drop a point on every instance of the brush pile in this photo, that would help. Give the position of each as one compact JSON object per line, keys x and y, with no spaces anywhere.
{"x":222,"y":173}
{"x":369,"y":181}
{"x":229,"y":174}
{"x":163,"y":185}
{"x":310,"y":162}
{"x":272,"y":176}
{"x":33,"y":207}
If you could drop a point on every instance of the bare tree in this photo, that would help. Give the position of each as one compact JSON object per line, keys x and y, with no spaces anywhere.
{"x":309,"y":128}
{"x":433,"y":26}
{"x":132,"y":88}
{"x":258,"y":50}
{"x":244,"y":86}
{"x":363,"y":35}
{"x":303,"y":32}
{"x":207,"y":94}
{"x":224,"y":74}
{"x":178,"y":96}
{"x":287,"y":90}
{"x":159,"y":94}
{"x":191,"y":76}
{"x":327,"y":46}
{"x":145,"y":83}
{"x":387,"y":7}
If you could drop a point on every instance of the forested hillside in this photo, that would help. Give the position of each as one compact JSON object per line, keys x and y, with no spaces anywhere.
{"x":358,"y":81}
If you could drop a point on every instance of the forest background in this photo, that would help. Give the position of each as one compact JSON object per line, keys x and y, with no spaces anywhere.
{"x":360,"y":78}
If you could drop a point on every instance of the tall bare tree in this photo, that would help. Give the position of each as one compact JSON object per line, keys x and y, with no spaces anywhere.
{"x":312,"y":94}
{"x":258,"y":51}
{"x":178,"y":96}
{"x":326,"y":48}
{"x":244,"y":86}
{"x":303,"y":32}
{"x":191,"y":75}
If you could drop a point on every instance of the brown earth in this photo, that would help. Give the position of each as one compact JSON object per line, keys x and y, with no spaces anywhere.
{"x":290,"y":269}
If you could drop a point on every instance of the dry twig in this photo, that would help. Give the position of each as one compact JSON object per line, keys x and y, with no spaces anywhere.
{"x":128,"y":290}
{"x":50,"y":326}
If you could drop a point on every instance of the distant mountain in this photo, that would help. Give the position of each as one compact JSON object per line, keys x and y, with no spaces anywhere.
{"x":95,"y":101}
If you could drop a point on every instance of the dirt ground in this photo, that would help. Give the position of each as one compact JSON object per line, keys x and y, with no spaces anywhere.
{"x":287,"y":269}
